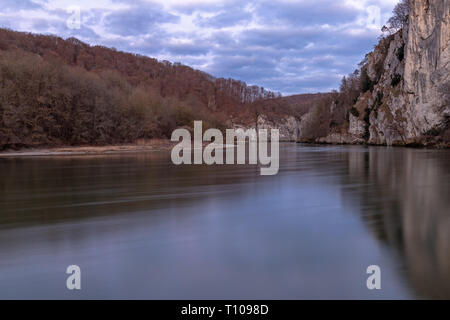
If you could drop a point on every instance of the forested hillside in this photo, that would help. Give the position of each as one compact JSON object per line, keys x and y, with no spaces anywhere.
{"x":65,"y":92}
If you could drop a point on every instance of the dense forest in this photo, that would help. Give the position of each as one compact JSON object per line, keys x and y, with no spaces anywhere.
{"x":57,"y":92}
{"x":65,"y":92}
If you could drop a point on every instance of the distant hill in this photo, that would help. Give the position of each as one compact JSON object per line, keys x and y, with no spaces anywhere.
{"x":295,"y":105}
{"x":66,"y":92}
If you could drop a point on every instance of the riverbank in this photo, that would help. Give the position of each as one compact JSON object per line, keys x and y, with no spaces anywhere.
{"x":140,"y":146}
{"x":343,"y":142}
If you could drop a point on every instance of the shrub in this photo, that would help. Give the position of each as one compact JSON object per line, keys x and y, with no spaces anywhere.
{"x":396,"y":80}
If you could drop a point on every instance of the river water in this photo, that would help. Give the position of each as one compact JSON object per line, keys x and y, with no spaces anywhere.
{"x":140,"y":227}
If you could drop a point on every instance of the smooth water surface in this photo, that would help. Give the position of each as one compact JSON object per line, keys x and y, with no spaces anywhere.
{"x":140,"y":227}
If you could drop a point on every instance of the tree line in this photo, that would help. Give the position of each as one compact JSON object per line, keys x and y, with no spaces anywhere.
{"x":64,"y":92}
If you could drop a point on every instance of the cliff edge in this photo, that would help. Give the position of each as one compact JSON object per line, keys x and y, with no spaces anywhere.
{"x":409,"y":98}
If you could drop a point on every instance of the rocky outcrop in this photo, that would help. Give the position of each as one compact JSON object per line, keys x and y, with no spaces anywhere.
{"x":409,"y":101}
{"x":340,"y":138}
{"x":427,"y":67}
{"x":408,"y":104}
{"x":288,"y":126}
{"x":386,"y":108}
{"x":357,"y":127}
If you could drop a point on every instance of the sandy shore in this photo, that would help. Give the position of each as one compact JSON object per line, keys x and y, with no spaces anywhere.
{"x":149,"y":146}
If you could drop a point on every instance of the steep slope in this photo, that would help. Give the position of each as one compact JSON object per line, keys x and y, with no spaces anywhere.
{"x":414,"y":108}
{"x":409,"y":75}
{"x":170,"y":79}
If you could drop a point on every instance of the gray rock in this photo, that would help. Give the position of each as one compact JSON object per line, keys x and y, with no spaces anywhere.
{"x":415,"y":106}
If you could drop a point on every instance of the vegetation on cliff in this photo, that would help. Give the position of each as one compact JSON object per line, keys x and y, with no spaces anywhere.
{"x":399,"y":93}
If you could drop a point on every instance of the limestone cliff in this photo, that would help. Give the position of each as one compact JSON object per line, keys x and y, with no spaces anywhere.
{"x":287,"y":125}
{"x":409,"y":103}
{"x":413,"y":107}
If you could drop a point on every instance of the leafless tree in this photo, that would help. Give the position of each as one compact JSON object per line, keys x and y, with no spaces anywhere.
{"x":400,"y":15}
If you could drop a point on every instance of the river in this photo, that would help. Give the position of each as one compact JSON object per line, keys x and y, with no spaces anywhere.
{"x":141,"y":227}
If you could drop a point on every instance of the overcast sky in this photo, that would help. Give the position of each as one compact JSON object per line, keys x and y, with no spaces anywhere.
{"x":287,"y":46}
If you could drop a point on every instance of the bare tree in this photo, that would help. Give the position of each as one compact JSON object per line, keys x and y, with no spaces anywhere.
{"x":400,"y":15}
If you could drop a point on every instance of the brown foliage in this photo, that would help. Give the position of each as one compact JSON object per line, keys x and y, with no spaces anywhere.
{"x":168,"y":79}
{"x":65,"y":92}
{"x":320,"y":121}
{"x":50,"y":103}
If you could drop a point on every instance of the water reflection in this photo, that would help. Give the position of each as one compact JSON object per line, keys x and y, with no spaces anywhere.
{"x":404,"y":198}
{"x":140,"y":227}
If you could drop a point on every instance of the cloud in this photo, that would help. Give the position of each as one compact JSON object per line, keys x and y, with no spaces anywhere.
{"x":139,"y":19}
{"x":285,"y":45}
{"x":19,"y":4}
{"x":305,"y":13}
{"x":226,"y":18}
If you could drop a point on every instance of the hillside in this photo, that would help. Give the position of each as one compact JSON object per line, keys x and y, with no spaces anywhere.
{"x":65,"y":92}
{"x":58,"y":92}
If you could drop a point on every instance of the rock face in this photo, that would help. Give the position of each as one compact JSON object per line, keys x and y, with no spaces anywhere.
{"x":340,"y":138}
{"x":288,"y":126}
{"x":387,"y":108}
{"x":410,"y":70}
{"x":409,"y":100}
{"x":427,"y":66}
{"x":409,"y":105}
{"x":357,"y":127}
{"x":412,"y":106}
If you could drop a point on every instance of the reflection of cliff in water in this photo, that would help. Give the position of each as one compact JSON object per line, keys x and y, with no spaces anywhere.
{"x":405,"y":200}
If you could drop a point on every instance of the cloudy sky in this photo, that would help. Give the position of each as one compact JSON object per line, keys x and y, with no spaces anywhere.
{"x":291,"y":46}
